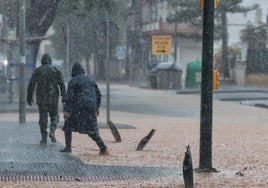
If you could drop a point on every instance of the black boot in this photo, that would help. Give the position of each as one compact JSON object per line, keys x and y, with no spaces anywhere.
{"x":44,"y":138}
{"x":52,"y":136}
{"x":104,"y":151}
{"x":103,"y":148}
{"x":68,"y":142}
{"x":53,"y":128}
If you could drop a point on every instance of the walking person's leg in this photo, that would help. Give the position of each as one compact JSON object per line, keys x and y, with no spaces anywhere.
{"x":103,"y":148}
{"x":68,"y":142}
{"x":54,"y":121}
{"x":43,"y":120}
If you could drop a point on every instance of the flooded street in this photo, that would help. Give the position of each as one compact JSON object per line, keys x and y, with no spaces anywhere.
{"x":194,"y":72}
{"x":239,"y":138}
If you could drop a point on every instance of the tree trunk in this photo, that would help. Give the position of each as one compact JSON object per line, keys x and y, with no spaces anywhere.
{"x":225,"y":62}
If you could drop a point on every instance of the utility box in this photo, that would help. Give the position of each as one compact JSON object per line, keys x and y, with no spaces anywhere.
{"x":166,"y":75}
{"x":193,"y":75}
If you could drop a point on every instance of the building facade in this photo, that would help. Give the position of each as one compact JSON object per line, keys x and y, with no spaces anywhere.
{"x":154,"y":15}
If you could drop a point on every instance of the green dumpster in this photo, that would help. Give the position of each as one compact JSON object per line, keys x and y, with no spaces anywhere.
{"x":193,"y":75}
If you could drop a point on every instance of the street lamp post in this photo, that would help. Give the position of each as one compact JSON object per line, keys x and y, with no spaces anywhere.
{"x":22,"y":101}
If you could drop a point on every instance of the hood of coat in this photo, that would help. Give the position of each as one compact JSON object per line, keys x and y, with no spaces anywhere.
{"x":77,"y":69}
{"x":46,"y":59}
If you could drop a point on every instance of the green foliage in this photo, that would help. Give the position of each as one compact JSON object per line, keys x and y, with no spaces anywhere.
{"x":234,"y":6}
{"x":87,"y":28}
{"x":188,"y":11}
{"x":234,"y":54}
{"x":87,"y":6}
{"x":109,"y":5}
{"x":1,"y":6}
{"x":257,"y":53}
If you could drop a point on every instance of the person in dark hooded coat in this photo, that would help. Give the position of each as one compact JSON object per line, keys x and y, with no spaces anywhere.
{"x":49,"y":84}
{"x":81,"y":109}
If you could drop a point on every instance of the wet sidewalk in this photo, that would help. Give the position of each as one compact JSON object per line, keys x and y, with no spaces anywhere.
{"x":22,"y":158}
{"x":175,"y":114}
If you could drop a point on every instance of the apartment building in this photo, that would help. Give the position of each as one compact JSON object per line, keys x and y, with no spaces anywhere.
{"x":154,"y":22}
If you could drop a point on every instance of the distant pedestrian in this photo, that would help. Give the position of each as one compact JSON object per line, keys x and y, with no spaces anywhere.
{"x":81,"y":109}
{"x":49,"y":84}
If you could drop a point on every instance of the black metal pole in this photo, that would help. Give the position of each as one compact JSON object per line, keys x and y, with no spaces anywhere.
{"x":205,"y":161}
{"x":22,"y":100}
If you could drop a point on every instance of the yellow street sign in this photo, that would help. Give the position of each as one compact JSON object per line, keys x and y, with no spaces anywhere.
{"x":161,"y":44}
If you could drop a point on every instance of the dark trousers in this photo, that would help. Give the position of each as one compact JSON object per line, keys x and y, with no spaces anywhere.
{"x":46,"y":110}
{"x":96,"y":137}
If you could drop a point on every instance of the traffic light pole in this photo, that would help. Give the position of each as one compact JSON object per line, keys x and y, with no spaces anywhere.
{"x":205,"y":160}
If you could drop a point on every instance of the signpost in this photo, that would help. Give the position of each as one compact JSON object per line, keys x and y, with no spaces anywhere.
{"x":161,"y":44}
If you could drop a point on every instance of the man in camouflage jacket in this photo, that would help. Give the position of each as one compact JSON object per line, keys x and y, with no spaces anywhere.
{"x":47,"y":80}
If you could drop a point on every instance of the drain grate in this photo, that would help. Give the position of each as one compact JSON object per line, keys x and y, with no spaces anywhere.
{"x":20,"y":178}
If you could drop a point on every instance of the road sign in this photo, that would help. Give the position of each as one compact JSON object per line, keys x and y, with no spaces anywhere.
{"x":161,"y":44}
{"x":121,"y":52}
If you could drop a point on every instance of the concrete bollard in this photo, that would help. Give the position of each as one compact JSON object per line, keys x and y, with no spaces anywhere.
{"x":188,"y":169}
{"x":145,"y":140}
